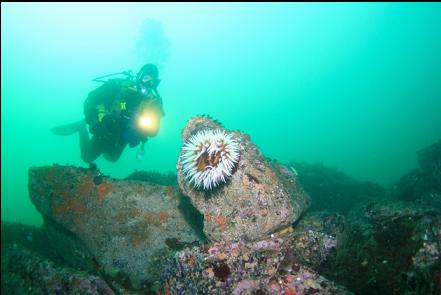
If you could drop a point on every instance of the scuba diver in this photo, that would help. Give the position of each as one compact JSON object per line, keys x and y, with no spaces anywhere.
{"x":121,"y":112}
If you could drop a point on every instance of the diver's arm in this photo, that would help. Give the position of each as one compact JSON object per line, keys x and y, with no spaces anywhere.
{"x":97,"y":102}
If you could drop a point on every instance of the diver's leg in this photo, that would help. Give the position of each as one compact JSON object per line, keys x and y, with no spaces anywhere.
{"x":91,"y":149}
{"x":116,"y":154}
{"x":69,"y":129}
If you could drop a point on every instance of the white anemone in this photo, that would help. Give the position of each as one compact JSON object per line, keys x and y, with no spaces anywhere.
{"x":209,"y":157}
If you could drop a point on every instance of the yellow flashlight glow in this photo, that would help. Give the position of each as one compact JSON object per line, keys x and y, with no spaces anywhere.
{"x":148,"y":123}
{"x":145,"y":121}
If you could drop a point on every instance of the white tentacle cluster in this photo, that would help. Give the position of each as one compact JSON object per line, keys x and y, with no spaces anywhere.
{"x":209,"y":157}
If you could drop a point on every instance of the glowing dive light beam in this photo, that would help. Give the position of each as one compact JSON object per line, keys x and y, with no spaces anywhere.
{"x":145,"y":121}
{"x":148,"y":123}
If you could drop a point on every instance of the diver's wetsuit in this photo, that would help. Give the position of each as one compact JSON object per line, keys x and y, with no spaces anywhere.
{"x":110,"y":110}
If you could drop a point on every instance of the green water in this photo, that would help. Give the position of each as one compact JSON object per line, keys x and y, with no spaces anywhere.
{"x":356,"y":86}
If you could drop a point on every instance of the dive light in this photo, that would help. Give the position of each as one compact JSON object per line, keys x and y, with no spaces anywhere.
{"x":148,"y":123}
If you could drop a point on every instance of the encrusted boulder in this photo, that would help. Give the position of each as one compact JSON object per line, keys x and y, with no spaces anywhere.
{"x":423,"y":184}
{"x":332,"y":190}
{"x":394,"y":248}
{"x":429,"y":159}
{"x":268,"y":266}
{"x":242,"y":195}
{"x":25,"y":272}
{"x":128,"y":226}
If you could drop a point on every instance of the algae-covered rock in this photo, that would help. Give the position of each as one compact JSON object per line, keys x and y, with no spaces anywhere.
{"x":260,"y":267}
{"x":423,"y":184}
{"x":253,"y":197}
{"x":26,"y":272}
{"x":393,"y":248}
{"x":332,"y":190}
{"x":128,"y":226}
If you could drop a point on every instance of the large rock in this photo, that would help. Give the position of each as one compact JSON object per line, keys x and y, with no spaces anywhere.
{"x":258,"y":199}
{"x":268,"y":266}
{"x":25,"y":272}
{"x":429,"y":159}
{"x":331,"y":190}
{"x":423,"y":184}
{"x":395,"y":248}
{"x":129,"y":226}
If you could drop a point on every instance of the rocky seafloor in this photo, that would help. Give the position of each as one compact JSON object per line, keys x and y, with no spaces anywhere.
{"x":272,"y":228}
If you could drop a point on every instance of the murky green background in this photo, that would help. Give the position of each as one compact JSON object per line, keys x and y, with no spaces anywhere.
{"x":356,"y":86}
